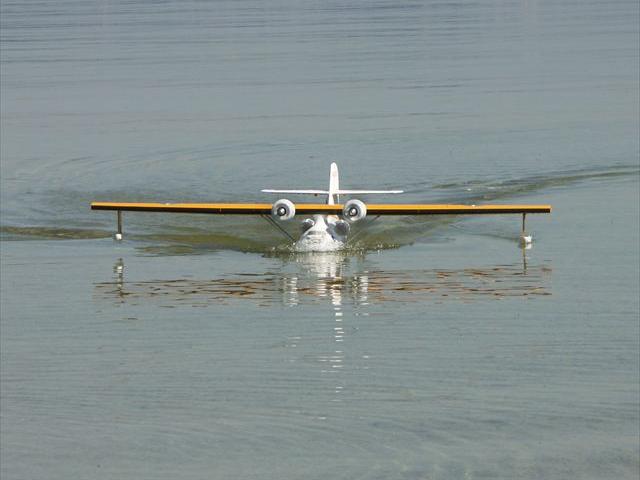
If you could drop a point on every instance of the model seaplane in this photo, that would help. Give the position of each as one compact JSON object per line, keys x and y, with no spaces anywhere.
{"x":327,"y":225}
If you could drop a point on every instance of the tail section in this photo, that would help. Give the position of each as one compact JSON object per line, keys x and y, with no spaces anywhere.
{"x":334,"y":185}
{"x":334,"y":188}
{"x":334,"y":192}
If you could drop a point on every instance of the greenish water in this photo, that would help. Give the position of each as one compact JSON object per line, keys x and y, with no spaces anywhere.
{"x":434,"y":348}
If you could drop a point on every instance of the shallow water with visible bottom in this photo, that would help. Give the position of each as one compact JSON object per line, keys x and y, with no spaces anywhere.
{"x":434,"y":348}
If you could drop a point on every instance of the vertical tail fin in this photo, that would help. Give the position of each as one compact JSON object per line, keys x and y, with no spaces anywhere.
{"x":334,"y":185}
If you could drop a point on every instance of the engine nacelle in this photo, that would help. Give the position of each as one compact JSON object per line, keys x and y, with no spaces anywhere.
{"x":354,"y":210}
{"x":283,"y":210}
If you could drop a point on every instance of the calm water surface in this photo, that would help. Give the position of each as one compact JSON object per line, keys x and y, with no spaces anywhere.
{"x":202,"y":348}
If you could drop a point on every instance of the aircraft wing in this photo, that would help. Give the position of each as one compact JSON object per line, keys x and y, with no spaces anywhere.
{"x":210,"y":208}
{"x":452,"y":209}
{"x":319,"y":208}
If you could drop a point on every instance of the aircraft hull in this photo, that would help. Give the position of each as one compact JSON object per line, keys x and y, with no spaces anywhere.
{"x":323,"y":236}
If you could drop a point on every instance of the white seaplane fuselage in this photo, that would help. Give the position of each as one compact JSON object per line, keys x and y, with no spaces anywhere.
{"x":322,"y":232}
{"x":325,"y":235}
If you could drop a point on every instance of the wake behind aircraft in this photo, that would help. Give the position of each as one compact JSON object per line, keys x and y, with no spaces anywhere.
{"x":327,"y":225}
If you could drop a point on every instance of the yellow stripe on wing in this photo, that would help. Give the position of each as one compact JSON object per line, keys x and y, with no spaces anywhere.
{"x":372,"y":209}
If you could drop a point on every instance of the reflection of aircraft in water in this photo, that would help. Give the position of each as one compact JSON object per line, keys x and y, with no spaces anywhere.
{"x":322,"y":275}
{"x":328,"y":226}
{"x":342,"y":287}
{"x":313,"y":277}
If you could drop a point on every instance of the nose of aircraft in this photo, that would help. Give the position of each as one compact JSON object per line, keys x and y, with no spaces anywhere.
{"x":319,"y":237}
{"x":319,"y":227}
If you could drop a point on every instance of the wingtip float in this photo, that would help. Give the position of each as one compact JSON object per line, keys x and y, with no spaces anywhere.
{"x":328,"y":226}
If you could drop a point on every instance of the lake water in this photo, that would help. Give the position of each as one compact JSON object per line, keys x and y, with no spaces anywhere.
{"x":202,"y":347}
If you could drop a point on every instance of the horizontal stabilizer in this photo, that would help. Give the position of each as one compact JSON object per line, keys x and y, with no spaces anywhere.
{"x":336,"y":192}
{"x":301,"y":192}
{"x":364,"y":192}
